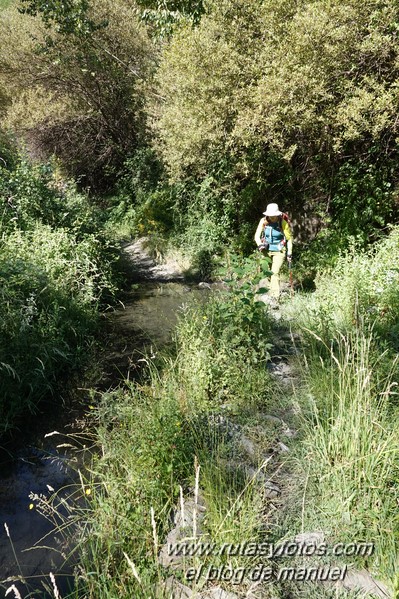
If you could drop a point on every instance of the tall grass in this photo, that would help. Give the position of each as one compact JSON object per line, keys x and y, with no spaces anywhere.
{"x":350,"y":343}
{"x":151,"y":437}
{"x":352,"y":446}
{"x":362,"y":285}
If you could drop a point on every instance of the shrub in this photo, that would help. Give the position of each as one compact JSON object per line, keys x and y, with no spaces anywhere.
{"x":76,"y":83}
{"x":361,"y":287}
{"x":32,"y":193}
{"x":51,"y":285}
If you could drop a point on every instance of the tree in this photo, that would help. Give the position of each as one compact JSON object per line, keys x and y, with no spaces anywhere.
{"x":164,"y":16}
{"x":288,"y":92}
{"x":78,"y":77}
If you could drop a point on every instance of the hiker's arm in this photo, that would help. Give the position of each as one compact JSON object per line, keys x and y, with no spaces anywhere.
{"x":288,"y":235}
{"x":258,"y":233}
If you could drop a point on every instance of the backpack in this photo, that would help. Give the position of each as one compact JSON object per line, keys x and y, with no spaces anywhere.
{"x":284,"y":216}
{"x":272,"y":233}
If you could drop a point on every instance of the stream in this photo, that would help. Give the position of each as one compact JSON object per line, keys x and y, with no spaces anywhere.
{"x":30,"y":546}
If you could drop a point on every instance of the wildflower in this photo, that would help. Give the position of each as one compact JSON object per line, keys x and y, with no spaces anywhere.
{"x":31,"y":506}
{"x":88,"y":491}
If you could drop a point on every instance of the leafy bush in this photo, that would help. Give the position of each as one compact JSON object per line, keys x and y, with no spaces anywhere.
{"x":51,"y":284}
{"x":214,"y":370}
{"x":31,"y":193}
{"x":313,"y":130}
{"x":361,"y":288}
{"x":75,"y":82}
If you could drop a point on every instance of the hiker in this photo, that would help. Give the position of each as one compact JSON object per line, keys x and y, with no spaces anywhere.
{"x":274,"y":236}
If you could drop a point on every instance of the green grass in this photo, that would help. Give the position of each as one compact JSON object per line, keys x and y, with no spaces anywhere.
{"x":182,"y":408}
{"x":350,"y":451}
{"x":5,"y":3}
{"x":351,"y":448}
{"x":346,"y":454}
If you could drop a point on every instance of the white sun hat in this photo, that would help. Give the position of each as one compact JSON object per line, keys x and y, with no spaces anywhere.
{"x":272,"y":210}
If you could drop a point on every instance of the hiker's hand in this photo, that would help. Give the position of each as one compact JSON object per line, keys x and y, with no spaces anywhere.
{"x":261,"y":247}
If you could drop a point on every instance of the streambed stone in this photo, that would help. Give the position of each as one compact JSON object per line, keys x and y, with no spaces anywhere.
{"x":182,"y":532}
{"x":178,"y":590}
{"x":363,"y":581}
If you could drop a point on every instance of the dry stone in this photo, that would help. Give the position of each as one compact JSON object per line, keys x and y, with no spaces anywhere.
{"x":177,"y":590}
{"x":363,"y":581}
{"x":183,"y":530}
{"x":146,"y":267}
{"x":310,"y":538}
{"x":217,"y":593}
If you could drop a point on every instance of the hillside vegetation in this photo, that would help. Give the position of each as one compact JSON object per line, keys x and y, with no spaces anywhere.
{"x":194,"y":117}
{"x":181,"y":120}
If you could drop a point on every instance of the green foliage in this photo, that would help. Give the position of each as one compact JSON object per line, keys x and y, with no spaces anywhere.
{"x":68,"y":17}
{"x":8,"y":153}
{"x":140,"y":174}
{"x":362,"y":201}
{"x":144,"y":203}
{"x":4,"y":3}
{"x":298,"y":98}
{"x":31,"y":193}
{"x":138,"y":473}
{"x":204,"y":92}
{"x":350,"y":342}
{"x":361,"y":288}
{"x":56,"y":269}
{"x":164,"y":16}
{"x":243,"y":319}
{"x":204,"y":213}
{"x":77,"y":90}
{"x":351,"y":446}
{"x":51,"y":284}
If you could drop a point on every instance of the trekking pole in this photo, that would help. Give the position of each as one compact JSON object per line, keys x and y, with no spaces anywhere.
{"x":291,"y":279}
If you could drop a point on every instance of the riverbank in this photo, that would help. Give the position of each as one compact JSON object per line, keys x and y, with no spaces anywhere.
{"x":40,"y":473}
{"x":209,"y":476}
{"x":227,"y":455}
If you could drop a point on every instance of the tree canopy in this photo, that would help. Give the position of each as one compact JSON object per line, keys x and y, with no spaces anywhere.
{"x":270,"y":100}
{"x":309,"y":85}
{"x":76,"y":82}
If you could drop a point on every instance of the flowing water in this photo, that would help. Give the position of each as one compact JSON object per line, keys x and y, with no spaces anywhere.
{"x":32,"y":544}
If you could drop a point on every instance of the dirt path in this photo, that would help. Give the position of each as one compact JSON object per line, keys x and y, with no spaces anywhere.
{"x":271,"y":436}
{"x":144,"y":266}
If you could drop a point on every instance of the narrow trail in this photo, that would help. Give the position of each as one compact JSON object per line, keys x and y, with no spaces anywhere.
{"x":148,"y":314}
{"x":274,"y":437}
{"x":286,"y":366}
